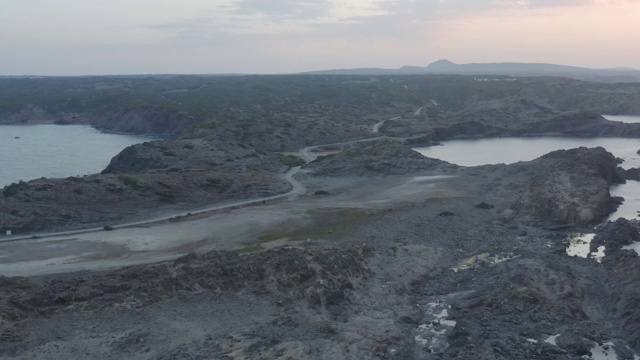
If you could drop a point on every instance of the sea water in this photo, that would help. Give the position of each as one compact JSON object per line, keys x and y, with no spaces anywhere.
{"x":511,"y":150}
{"x":55,"y":151}
{"x":623,"y":118}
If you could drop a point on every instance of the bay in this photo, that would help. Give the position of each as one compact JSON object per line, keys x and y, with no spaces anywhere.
{"x":511,"y":150}
{"x":29,"y":152}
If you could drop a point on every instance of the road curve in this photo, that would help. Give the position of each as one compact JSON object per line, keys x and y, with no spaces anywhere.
{"x":297,"y":188}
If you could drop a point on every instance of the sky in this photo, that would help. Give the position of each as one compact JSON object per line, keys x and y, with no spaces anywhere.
{"x":99,"y":37}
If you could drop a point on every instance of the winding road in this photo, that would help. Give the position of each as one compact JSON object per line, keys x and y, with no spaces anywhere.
{"x":236,"y":225}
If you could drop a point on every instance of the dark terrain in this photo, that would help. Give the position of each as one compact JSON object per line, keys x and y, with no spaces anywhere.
{"x":478,"y":271}
{"x":490,"y":70}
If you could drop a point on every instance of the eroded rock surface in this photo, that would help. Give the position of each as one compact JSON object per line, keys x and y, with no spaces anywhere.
{"x":97,"y":200}
{"x":377,"y":158}
{"x":568,"y":186}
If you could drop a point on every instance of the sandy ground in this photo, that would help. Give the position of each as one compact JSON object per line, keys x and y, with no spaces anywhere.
{"x":231,"y":229}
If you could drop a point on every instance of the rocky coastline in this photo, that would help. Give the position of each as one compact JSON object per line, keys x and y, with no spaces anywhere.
{"x":393,"y":255}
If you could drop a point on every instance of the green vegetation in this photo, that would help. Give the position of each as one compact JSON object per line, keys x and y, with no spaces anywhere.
{"x":215,"y":99}
{"x":291,"y":161}
{"x":75,"y":179}
{"x":129,"y":151}
{"x":285,"y":112}
{"x":164,"y":185}
{"x":329,"y":330}
{"x":13,"y":189}
{"x":166,"y":197}
{"x":324,"y":222}
{"x":128,"y":180}
{"x":251,"y":249}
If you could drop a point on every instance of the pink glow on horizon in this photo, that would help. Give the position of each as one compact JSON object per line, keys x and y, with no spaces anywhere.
{"x":573,"y":35}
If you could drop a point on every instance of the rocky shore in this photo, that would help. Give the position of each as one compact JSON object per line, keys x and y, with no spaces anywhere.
{"x":381,"y":254}
{"x":141,"y":181}
{"x":473,"y":276}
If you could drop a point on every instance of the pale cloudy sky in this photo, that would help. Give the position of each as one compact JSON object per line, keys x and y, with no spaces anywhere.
{"x":74,"y":37}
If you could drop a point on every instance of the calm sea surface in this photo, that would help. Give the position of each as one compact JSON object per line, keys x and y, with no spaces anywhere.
{"x":33,"y":151}
{"x":623,"y":118}
{"x":511,"y":150}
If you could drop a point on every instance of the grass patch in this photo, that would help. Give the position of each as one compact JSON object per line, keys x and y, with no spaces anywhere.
{"x":128,"y":180}
{"x":251,"y":249}
{"x":164,"y":185}
{"x":166,"y":197}
{"x":75,"y":179}
{"x":323,"y":223}
{"x":291,"y":161}
{"x":13,"y":188}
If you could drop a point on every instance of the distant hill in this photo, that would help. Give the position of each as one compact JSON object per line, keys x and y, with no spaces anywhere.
{"x":499,"y":69}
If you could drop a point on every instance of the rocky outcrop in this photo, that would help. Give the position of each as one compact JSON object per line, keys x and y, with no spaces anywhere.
{"x":145,"y":121}
{"x":616,"y":234}
{"x":623,"y":282}
{"x":579,"y":124}
{"x":471,"y":129}
{"x":27,"y":114}
{"x":568,"y":186}
{"x":320,"y":279}
{"x":197,"y":154}
{"x":137,"y":121}
{"x":632,"y":174}
{"x":97,"y":200}
{"x":485,"y":123}
{"x":376,"y":158}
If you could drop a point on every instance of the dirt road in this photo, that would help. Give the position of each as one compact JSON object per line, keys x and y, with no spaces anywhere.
{"x":228,"y":227}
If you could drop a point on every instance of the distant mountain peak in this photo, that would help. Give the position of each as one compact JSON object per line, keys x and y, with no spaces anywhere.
{"x":443,"y":64}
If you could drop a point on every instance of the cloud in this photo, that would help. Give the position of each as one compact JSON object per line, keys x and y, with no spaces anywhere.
{"x":292,"y":9}
{"x":557,"y":3}
{"x":276,"y":17}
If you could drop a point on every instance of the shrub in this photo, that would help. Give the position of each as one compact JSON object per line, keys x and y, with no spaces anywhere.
{"x":75,"y":179}
{"x":291,"y":161}
{"x":12,"y":189}
{"x":128,"y":180}
{"x":166,"y":197}
{"x":129,"y":151}
{"x":484,"y":205}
